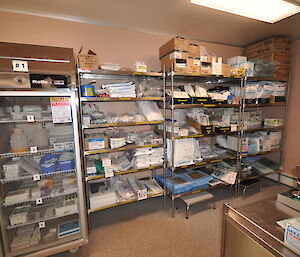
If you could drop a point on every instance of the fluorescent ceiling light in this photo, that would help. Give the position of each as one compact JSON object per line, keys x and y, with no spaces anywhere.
{"x":264,"y":10}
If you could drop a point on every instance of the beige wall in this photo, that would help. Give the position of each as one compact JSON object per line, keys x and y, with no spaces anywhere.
{"x":125,"y":47}
{"x":292,"y":141}
{"x":111,"y":44}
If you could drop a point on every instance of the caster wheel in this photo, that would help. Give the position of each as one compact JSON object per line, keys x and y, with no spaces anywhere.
{"x":187,"y":218}
{"x":176,"y":208}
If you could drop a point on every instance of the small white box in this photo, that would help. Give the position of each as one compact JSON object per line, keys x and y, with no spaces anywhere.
{"x":236,"y":60}
{"x":216,"y":66}
{"x":292,"y":236}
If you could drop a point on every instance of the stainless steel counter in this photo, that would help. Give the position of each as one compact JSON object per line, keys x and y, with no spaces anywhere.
{"x":252,"y":230}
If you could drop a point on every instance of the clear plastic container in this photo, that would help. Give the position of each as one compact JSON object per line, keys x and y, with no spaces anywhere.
{"x":40,"y":138}
{"x":18,"y":141}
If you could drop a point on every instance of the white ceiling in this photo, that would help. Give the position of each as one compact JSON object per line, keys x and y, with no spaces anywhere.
{"x":170,"y":17}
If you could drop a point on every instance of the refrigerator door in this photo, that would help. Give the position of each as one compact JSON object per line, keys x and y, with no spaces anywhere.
{"x":43,"y":209}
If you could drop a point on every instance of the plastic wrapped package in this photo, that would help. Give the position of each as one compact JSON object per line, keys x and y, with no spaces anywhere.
{"x":150,"y":110}
{"x":183,"y":151}
{"x":200,"y":91}
{"x":124,"y":192}
{"x":251,"y":91}
{"x":122,"y":89}
{"x":149,"y":87}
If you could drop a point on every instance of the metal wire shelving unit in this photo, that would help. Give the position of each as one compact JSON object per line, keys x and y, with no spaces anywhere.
{"x":120,"y":75}
{"x":237,"y":156}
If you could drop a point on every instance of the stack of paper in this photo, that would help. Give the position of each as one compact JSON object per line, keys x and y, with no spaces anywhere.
{"x":124,"y":89}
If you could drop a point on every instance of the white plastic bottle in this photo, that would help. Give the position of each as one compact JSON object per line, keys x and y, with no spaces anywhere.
{"x":40,"y":136}
{"x":18,"y":141}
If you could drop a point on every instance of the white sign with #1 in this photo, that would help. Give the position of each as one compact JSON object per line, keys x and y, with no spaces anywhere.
{"x":61,"y":109}
{"x":20,"y":66}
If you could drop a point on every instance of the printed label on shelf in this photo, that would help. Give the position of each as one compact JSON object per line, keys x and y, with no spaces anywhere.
{"x":61,"y":109}
{"x":59,"y":147}
{"x":33,"y":149}
{"x":36,"y":177}
{"x":20,"y":66}
{"x":108,"y":172}
{"x":30,"y":118}
{"x":69,"y":145}
{"x":42,"y":224}
{"x":39,"y":201}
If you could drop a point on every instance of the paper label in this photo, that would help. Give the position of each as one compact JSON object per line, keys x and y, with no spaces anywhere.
{"x":292,"y":236}
{"x":30,"y":118}
{"x":36,"y":177}
{"x":59,"y":147}
{"x":91,"y":170}
{"x":203,"y":58}
{"x":20,"y":66}
{"x":69,"y":145}
{"x":61,"y":109}
{"x":142,"y":194}
{"x":96,"y":143}
{"x":108,"y":172}
{"x":197,"y":62}
{"x":86,"y":119}
{"x":42,"y":224}
{"x":33,"y":149}
{"x":106,"y":162}
{"x":175,"y":55}
{"x":84,"y":70}
{"x":39,"y":201}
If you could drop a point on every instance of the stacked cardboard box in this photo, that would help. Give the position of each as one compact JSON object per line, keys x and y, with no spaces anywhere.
{"x":239,"y":65}
{"x":186,"y":57}
{"x":175,"y":53}
{"x":276,"y":50}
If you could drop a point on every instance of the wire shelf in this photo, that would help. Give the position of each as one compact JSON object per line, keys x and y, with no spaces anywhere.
{"x":38,"y":152}
{"x":40,"y":220}
{"x":26,"y":177}
{"x":69,"y":192}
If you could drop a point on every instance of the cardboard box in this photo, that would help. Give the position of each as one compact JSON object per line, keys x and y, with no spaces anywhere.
{"x":193,"y":65}
{"x":194,"y":50}
{"x":236,"y":60}
{"x":177,"y":43}
{"x":207,"y":129}
{"x":88,"y":61}
{"x":205,"y":68}
{"x":216,"y":66}
{"x":96,"y":143}
{"x":179,"y":65}
{"x":225,"y":69}
{"x":273,"y":44}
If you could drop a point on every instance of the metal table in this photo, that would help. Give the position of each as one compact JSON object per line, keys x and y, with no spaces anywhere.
{"x":252,"y":230}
